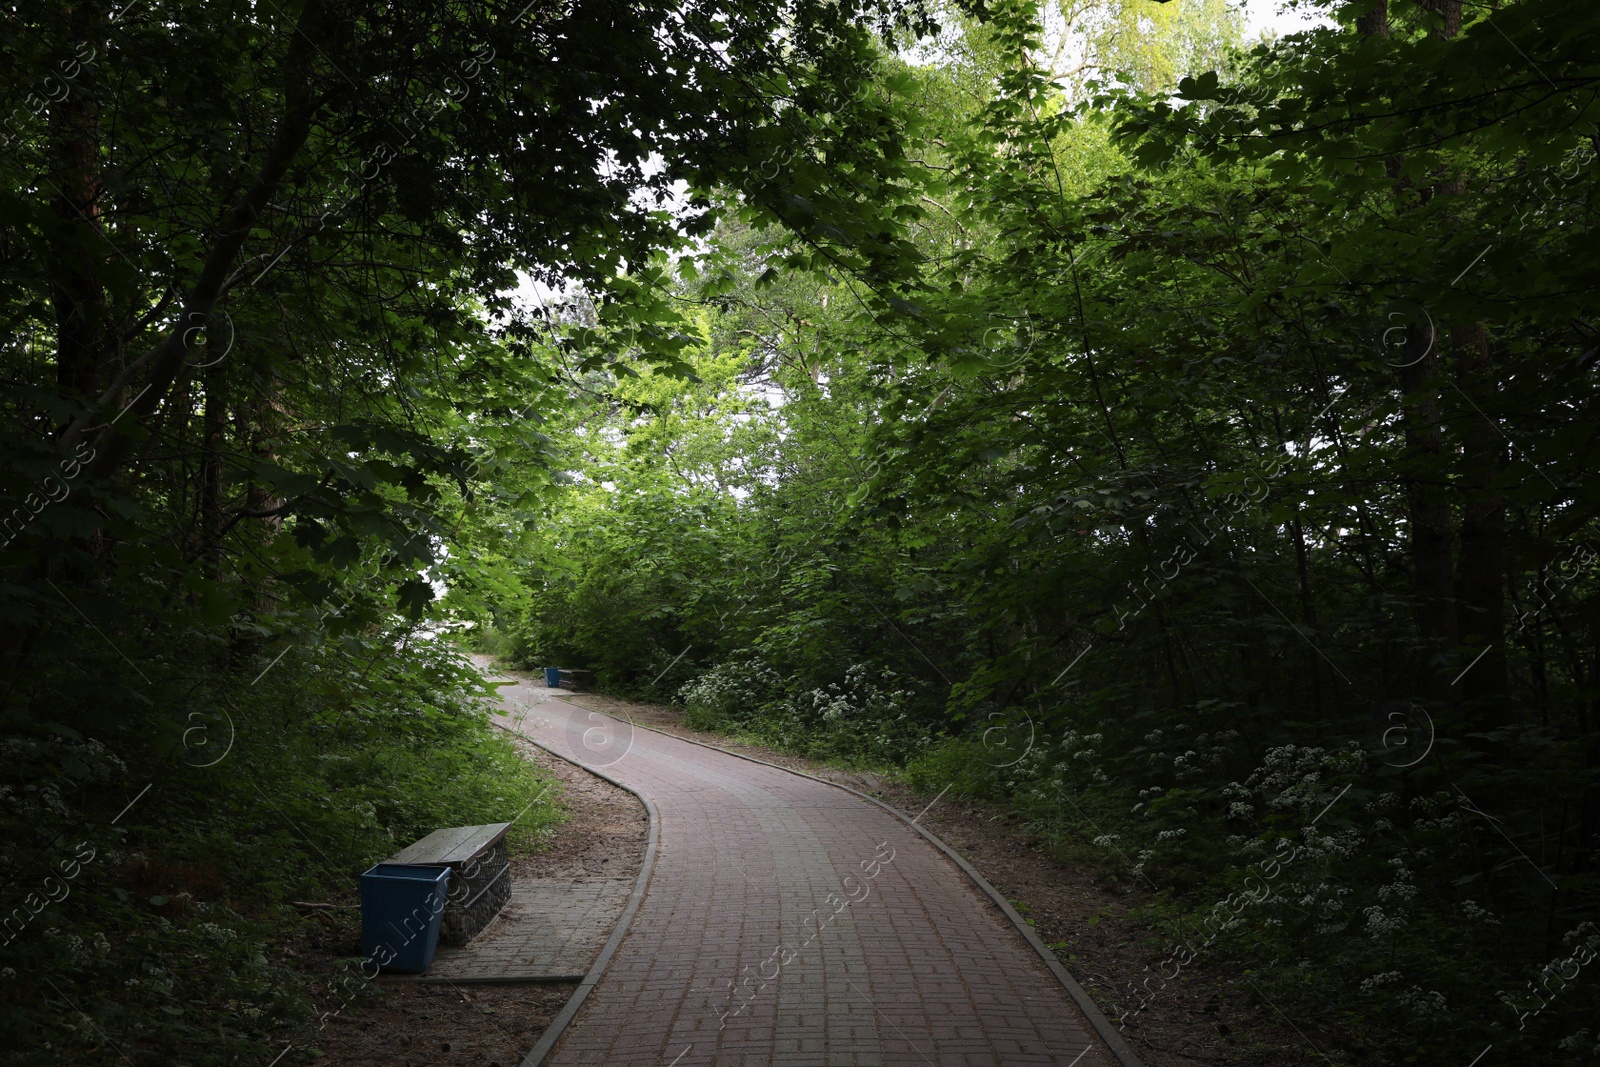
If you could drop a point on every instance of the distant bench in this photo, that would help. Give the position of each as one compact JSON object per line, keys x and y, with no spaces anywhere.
{"x":575,"y":680}
{"x":480,"y":875}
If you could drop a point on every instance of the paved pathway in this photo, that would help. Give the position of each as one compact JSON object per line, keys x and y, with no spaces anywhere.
{"x":549,"y":927}
{"x":790,"y":923}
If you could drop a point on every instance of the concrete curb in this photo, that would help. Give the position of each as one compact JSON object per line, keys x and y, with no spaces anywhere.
{"x":547,"y":1041}
{"x":1107,"y":1033}
{"x":526,"y":979}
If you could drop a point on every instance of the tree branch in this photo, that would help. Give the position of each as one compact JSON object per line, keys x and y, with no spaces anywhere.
{"x":167,"y":357}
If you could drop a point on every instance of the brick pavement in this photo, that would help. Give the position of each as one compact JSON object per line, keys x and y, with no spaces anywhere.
{"x":549,"y":927}
{"x":790,"y":923}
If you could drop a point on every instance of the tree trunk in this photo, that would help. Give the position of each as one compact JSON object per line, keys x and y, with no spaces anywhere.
{"x":1481,"y":574}
{"x":1375,"y":23}
{"x":76,"y":293}
{"x":1441,"y":622}
{"x":1302,"y":560}
{"x":1428,"y":514}
{"x":1450,"y":12}
{"x":212,"y":439}
{"x":166,"y":361}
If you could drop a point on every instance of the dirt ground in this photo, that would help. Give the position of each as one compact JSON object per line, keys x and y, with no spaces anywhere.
{"x":401,"y":1023}
{"x":605,"y":835}
{"x":1209,"y":1014}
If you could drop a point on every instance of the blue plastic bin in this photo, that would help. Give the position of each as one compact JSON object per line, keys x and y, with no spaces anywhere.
{"x":552,"y":677}
{"x":402,"y":905}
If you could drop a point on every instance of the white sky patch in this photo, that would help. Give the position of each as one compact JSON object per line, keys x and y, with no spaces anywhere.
{"x":1277,"y":17}
{"x":532,"y":294}
{"x":768,"y":392}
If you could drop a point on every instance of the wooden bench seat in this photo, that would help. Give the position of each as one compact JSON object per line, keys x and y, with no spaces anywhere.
{"x":480,"y":878}
{"x":575,"y":679}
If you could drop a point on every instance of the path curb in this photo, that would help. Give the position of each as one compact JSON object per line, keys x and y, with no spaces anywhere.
{"x":1107,"y":1033}
{"x":552,"y":1034}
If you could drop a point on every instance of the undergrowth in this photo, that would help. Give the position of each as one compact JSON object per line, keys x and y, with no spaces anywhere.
{"x":153,"y":852}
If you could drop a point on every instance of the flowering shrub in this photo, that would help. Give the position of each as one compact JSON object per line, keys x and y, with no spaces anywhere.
{"x":731,"y":696}
{"x":865,"y":718}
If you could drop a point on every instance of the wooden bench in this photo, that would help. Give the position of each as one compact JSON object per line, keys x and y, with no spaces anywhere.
{"x":480,"y":875}
{"x":575,"y":680}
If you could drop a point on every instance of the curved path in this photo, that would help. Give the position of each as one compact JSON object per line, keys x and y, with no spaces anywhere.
{"x":788,"y":922}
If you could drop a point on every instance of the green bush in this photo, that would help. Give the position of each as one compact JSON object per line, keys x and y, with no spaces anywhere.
{"x":960,"y":764}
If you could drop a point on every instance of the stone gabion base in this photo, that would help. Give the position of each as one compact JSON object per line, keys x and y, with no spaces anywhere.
{"x":477,"y":893}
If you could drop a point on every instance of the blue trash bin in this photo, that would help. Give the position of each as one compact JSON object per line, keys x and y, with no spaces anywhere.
{"x":552,"y":677}
{"x":402,"y":905}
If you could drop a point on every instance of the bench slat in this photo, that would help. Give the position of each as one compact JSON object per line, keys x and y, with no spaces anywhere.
{"x":478,"y":842}
{"x":453,"y":845}
{"x":434,"y":847}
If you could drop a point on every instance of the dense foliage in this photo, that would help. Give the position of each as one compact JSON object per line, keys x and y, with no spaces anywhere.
{"x":1181,"y":439}
{"x":1215,"y":491}
{"x":268,"y":390}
